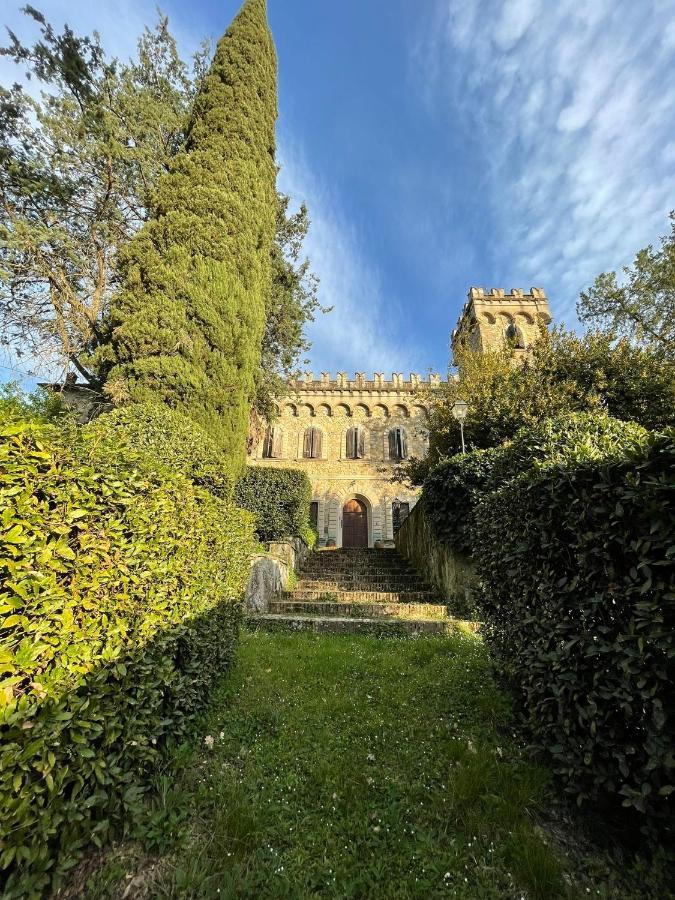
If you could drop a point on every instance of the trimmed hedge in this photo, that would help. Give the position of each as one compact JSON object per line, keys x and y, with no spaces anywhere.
{"x":119,"y":607}
{"x":454,"y":488}
{"x":566,"y":439}
{"x":172,"y":439}
{"x":578,"y":588}
{"x":451,"y":493}
{"x":279,"y":499}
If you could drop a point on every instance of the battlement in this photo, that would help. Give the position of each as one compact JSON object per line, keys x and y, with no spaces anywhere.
{"x":362,"y":383}
{"x":499,"y":294}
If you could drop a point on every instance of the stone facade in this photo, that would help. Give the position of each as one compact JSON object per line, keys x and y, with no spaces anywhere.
{"x":488,"y":320}
{"x":392,"y":422}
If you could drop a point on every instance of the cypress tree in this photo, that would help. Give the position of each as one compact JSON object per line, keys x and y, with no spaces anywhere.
{"x":187,"y":324}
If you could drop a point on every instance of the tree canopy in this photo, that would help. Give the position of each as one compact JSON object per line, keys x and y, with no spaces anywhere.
{"x":78,"y":164}
{"x":79,"y":169}
{"x":642,"y":307}
{"x":597,"y":371}
{"x":187,"y":326}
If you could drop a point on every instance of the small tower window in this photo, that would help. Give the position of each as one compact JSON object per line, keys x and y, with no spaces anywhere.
{"x":514,"y":337}
{"x":398,"y":444}
{"x":272,"y":443}
{"x":313,"y":443}
{"x":356,"y":443}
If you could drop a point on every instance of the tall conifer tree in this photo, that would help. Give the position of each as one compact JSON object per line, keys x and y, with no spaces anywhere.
{"x":188,"y":324}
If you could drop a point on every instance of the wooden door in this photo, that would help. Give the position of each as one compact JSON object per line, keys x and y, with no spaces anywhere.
{"x":354,"y":524}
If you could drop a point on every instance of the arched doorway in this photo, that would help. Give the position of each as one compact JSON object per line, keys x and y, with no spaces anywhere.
{"x":354,"y":524}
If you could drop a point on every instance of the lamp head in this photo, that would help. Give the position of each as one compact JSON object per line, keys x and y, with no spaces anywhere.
{"x":460,"y":410}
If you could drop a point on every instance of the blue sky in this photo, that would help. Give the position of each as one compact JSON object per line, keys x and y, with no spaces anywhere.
{"x":441,"y":144}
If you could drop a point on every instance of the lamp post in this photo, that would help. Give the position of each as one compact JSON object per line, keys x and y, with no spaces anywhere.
{"x":459,"y":411}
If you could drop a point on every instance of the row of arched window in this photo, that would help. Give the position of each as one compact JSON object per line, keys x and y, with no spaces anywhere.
{"x":355,"y":445}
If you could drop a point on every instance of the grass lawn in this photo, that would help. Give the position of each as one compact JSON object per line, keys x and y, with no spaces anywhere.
{"x":352,"y":767}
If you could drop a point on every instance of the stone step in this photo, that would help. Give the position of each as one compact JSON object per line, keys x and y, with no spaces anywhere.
{"x":328,"y":609}
{"x":321,"y":571}
{"x":362,"y":584}
{"x":344,"y":625}
{"x":356,"y":551}
{"x":341,"y":596}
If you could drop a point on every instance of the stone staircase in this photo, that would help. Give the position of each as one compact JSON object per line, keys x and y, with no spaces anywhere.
{"x":366,"y":591}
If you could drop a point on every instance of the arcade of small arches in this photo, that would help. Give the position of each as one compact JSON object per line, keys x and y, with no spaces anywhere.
{"x":342,"y":409}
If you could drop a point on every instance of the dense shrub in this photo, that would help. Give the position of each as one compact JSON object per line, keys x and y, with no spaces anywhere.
{"x":578,"y":587}
{"x":119,"y":606}
{"x":455,"y":487}
{"x":39,"y":406}
{"x":170,"y":437}
{"x":566,"y":439}
{"x":279,"y":499}
{"x":451,"y":493}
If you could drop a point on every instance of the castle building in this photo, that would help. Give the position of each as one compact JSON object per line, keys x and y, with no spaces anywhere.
{"x":351,"y":435}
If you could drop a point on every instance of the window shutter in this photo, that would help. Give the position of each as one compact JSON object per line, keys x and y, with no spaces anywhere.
{"x":392,"y":444}
{"x":351,"y":443}
{"x":360,"y":443}
{"x":276,"y":443}
{"x":312,"y":444}
{"x":268,"y":444}
{"x":403,"y":443}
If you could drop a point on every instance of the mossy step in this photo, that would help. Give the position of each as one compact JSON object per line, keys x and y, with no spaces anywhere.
{"x":361,"y":572}
{"x":341,"y":596}
{"x":343,"y":625}
{"x":362,"y":584}
{"x":361,"y":610}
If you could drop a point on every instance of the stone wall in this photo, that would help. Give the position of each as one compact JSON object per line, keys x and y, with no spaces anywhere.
{"x":272,"y":571}
{"x":453,"y":575}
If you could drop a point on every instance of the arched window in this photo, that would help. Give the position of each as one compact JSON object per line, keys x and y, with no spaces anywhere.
{"x":272,"y":443}
{"x":514,"y":337}
{"x":312,"y":443}
{"x":398,"y":444}
{"x":356,"y":443}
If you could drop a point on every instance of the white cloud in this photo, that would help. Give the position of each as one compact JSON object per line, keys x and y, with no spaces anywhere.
{"x":575,"y":109}
{"x":358,"y":335}
{"x":516,"y":18}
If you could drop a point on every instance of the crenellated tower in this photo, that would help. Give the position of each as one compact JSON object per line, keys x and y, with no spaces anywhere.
{"x":492,"y":319}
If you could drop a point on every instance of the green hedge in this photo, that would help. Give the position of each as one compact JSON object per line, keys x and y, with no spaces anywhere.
{"x":454,"y":488}
{"x":171,"y":438}
{"x":566,"y":439}
{"x":119,"y":606}
{"x":451,"y":493}
{"x":578,"y":588}
{"x":279,"y":499}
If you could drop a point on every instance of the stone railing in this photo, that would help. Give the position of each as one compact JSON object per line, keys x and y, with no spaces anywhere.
{"x":272,"y":571}
{"x":452,"y":574}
